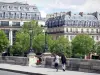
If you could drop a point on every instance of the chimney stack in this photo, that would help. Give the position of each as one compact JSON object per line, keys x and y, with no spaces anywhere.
{"x":69,"y":13}
{"x":95,"y":14}
{"x":81,"y":13}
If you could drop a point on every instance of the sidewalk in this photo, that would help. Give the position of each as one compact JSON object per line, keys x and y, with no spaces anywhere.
{"x":39,"y":70}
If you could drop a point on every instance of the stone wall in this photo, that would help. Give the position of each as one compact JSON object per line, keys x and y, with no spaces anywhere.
{"x":72,"y":63}
{"x":14,"y":60}
{"x":78,"y":65}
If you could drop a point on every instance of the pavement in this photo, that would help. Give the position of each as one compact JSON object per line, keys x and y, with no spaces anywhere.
{"x":10,"y":73}
{"x":36,"y":70}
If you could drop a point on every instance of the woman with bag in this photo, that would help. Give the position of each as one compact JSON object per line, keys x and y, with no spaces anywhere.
{"x":56,"y":62}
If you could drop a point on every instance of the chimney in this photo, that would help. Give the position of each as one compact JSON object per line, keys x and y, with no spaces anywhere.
{"x":81,"y":13}
{"x":95,"y":14}
{"x":69,"y":13}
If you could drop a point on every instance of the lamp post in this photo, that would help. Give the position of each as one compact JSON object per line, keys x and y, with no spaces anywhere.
{"x":46,"y":46}
{"x":45,"y":34}
{"x":31,"y":32}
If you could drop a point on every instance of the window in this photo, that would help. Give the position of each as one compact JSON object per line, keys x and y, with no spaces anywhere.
{"x":16,"y":24}
{"x":4,"y":23}
{"x":3,"y":14}
{"x":81,"y":30}
{"x":92,"y":31}
{"x":70,"y":29}
{"x":87,"y":30}
{"x":16,"y":8}
{"x":85,"y":23}
{"x":10,"y":7}
{"x":66,"y":29}
{"x":17,"y":15}
{"x":0,"y":14}
{"x":76,"y":30}
{"x":93,"y":37}
{"x":27,"y":8}
{"x":7,"y":33}
{"x":71,"y":37}
{"x":97,"y":38}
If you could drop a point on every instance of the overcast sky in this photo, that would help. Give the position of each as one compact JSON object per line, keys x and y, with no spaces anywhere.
{"x":51,"y":6}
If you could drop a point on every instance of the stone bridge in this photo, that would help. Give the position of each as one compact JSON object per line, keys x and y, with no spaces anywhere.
{"x":72,"y":63}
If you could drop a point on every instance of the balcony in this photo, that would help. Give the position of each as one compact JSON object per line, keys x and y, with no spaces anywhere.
{"x":10,"y":27}
{"x":57,"y":32}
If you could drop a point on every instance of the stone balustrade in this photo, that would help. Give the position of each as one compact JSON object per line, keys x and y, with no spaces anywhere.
{"x":72,"y":63}
{"x":78,"y":64}
{"x":14,"y":60}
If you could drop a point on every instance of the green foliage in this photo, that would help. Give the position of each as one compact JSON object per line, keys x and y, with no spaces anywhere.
{"x":82,"y":44}
{"x":4,"y":42}
{"x":39,"y":43}
{"x":22,"y":42}
{"x":33,"y":25}
{"x":97,"y":47}
{"x":61,"y":45}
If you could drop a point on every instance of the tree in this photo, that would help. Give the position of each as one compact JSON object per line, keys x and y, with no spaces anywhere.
{"x":22,"y":42}
{"x":33,"y":25}
{"x":97,"y":48}
{"x":4,"y":42}
{"x":61,"y":45}
{"x":82,"y":44}
{"x":39,"y":43}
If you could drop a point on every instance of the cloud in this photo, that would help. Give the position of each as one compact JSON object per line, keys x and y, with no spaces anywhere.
{"x":51,"y":6}
{"x":43,"y":13}
{"x":90,"y":6}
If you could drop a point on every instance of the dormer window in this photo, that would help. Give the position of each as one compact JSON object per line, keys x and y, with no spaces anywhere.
{"x":27,"y":8}
{"x":3,"y":6}
{"x":20,"y":7}
{"x":9,"y":7}
{"x":16,"y":7}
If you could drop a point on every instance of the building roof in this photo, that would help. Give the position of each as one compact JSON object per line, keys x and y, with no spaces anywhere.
{"x":17,"y":3}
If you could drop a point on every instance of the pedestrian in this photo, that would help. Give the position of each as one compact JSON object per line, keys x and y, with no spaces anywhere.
{"x":56,"y":62}
{"x":63,"y":61}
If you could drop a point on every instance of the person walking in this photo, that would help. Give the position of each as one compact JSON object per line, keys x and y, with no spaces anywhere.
{"x":56,"y":62}
{"x":63,"y":61}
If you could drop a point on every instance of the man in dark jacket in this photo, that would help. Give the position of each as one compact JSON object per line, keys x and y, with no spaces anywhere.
{"x":63,"y":61}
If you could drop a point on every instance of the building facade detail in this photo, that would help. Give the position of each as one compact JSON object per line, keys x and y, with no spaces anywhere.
{"x":70,"y":25}
{"x":13,"y":15}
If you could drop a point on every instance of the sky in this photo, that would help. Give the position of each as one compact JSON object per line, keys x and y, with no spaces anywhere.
{"x":52,"y":6}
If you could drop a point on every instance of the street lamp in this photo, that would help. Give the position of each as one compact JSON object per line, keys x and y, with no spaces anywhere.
{"x":45,"y":34}
{"x":31,"y":33}
{"x":46,"y":45}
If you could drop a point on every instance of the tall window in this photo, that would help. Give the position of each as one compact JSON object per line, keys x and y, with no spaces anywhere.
{"x":85,"y":23}
{"x":97,"y":38}
{"x":97,"y":30}
{"x":7,"y":33}
{"x":92,"y":31}
{"x":93,"y":37}
{"x":3,"y":14}
{"x":70,"y":29}
{"x":76,"y":30}
{"x":71,"y":37}
{"x":0,"y":14}
{"x":81,"y":30}
{"x":66,"y":29}
{"x":87,"y":30}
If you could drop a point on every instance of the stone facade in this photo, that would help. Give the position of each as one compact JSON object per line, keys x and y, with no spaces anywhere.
{"x":14,"y":15}
{"x":70,"y":25}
